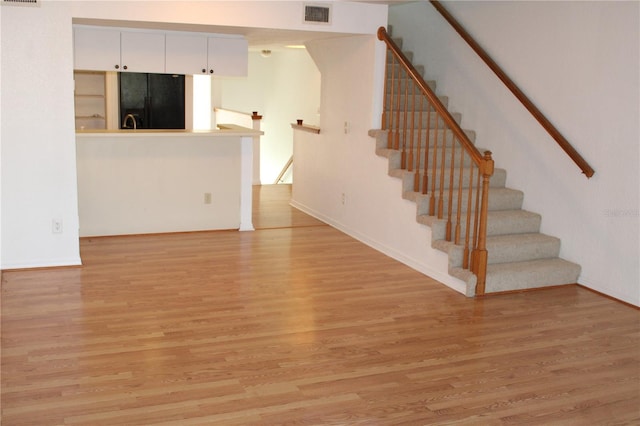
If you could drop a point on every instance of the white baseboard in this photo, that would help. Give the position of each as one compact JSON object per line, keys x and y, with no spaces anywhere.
{"x":594,"y":285}
{"x":42,"y":263}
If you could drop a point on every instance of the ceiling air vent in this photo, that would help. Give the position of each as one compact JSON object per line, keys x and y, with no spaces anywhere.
{"x":21,"y":2}
{"x":317,"y":14}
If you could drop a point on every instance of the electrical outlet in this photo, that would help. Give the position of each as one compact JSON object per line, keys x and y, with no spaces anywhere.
{"x":344,"y":199}
{"x":56,"y":226}
{"x":207,"y":198}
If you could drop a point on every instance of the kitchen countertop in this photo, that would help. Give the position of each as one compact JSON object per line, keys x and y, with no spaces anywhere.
{"x":223,"y":130}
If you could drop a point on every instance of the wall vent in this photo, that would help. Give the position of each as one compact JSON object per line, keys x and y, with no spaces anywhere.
{"x":21,"y":2}
{"x":317,"y":14}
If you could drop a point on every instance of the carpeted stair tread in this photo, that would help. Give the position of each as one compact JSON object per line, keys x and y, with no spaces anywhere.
{"x":419,"y":69}
{"x":507,"y":248}
{"x":499,"y":199}
{"x":531,"y":274}
{"x":399,"y":103}
{"x":395,"y":157}
{"x":401,"y":85}
{"x":499,"y":222}
{"x":428,"y":120}
{"x":420,"y":135}
{"x":521,"y":247}
{"x":498,"y":179}
{"x":515,"y":276}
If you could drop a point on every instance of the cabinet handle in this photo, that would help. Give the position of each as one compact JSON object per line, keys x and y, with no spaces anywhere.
{"x":125,"y":67}
{"x":117,"y":67}
{"x":210,"y":71}
{"x":204,"y":70}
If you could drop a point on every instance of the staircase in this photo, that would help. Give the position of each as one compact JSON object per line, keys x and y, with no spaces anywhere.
{"x":519,"y":256}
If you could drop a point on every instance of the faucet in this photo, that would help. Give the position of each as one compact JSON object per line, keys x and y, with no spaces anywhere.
{"x":126,"y":118}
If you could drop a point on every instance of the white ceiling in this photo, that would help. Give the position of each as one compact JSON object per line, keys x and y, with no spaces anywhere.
{"x":258,"y":38}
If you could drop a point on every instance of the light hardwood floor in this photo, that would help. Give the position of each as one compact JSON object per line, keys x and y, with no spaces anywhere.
{"x":301,"y":325}
{"x":272,"y":209}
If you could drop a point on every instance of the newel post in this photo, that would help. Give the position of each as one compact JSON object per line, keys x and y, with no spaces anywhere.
{"x":256,"y":119}
{"x":480,"y":255}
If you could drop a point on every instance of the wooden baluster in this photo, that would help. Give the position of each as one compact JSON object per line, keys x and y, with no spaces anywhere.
{"x":451,"y":174}
{"x":416,"y":176}
{"x":383,"y":124}
{"x":425,"y":176}
{"x":413,"y":123}
{"x":460,"y":183}
{"x":481,"y":256}
{"x":467,"y":234}
{"x":434,"y":168}
{"x":396,"y":139}
{"x":403,"y":157}
{"x":443,"y":162}
{"x":476,"y":220}
{"x":389,"y":100}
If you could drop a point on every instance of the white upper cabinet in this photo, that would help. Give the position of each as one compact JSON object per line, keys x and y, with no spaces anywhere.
{"x":199,"y":54}
{"x":228,"y":56}
{"x":110,"y":49}
{"x":96,"y":49}
{"x":142,"y":51}
{"x":171,"y":52}
{"x":186,"y":53}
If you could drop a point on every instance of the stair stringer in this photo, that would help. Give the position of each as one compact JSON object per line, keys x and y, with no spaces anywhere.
{"x":510,"y":230}
{"x":436,"y":228}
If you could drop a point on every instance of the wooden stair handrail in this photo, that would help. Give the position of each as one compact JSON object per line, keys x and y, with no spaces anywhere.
{"x":284,"y":170}
{"x":483,"y":163}
{"x":526,"y":102}
{"x":435,"y":101}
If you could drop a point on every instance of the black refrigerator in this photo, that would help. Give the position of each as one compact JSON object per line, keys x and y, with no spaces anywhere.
{"x":156,"y":101}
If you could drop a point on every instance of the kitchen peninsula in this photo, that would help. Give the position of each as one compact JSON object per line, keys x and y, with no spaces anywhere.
{"x":154,"y":181}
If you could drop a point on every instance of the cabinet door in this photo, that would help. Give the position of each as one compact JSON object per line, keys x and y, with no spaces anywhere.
{"x":96,"y":49}
{"x":228,"y":56}
{"x":142,"y":52}
{"x":186,"y":54}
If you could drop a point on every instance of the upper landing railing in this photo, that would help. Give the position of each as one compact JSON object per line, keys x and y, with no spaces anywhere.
{"x":526,"y":102}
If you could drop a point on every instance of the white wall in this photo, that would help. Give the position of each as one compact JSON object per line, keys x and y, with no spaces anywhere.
{"x":38,"y":162}
{"x":335,"y":165}
{"x":579,"y":62}
{"x":283,"y":87}
{"x":0,"y":147}
{"x":38,"y":137}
